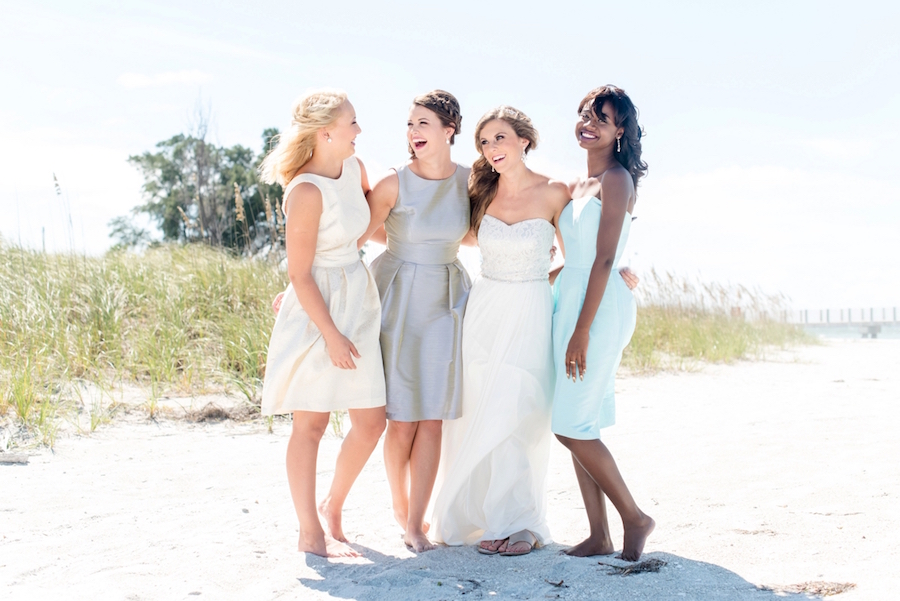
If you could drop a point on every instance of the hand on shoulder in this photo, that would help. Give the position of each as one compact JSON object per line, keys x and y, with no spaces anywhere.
{"x":559,"y":195}
{"x":386,"y":190}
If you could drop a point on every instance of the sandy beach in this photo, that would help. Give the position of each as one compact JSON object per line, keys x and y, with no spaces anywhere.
{"x":771,"y":473}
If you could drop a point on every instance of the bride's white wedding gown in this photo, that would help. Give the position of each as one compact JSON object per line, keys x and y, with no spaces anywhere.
{"x":495,"y":456}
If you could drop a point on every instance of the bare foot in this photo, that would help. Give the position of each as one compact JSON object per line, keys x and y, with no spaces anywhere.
{"x":418,"y":542}
{"x":332,"y":521}
{"x":325,"y":546}
{"x":635,"y":537}
{"x":403,"y":521}
{"x":591,"y":546}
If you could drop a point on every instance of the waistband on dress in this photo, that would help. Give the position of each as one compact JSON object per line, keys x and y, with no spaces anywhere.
{"x":342,"y":260}
{"x":423,"y":253}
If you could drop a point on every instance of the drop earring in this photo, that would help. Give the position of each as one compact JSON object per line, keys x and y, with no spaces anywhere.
{"x":493,"y":170}
{"x":618,"y":144}
{"x":448,"y":141}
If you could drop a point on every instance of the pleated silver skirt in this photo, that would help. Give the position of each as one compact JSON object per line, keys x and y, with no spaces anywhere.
{"x":422,"y":309}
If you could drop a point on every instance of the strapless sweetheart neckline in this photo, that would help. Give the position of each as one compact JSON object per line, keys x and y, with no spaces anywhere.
{"x":497,"y":219}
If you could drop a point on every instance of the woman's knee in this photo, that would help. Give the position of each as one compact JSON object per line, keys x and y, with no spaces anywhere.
{"x":404,"y":431}
{"x":567,"y":442}
{"x":369,"y":423}
{"x":309,"y":425}
{"x":431,"y":428}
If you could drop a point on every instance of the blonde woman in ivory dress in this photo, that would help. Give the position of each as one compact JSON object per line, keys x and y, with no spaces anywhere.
{"x":424,"y":206}
{"x":324,"y":353}
{"x":496,"y":454}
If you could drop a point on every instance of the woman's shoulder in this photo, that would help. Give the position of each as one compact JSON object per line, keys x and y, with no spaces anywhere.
{"x":615,"y":174}
{"x":557,"y":190}
{"x":616,"y":180}
{"x":302,"y":192}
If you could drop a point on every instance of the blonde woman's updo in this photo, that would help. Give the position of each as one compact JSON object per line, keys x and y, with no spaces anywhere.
{"x":483,"y":180}
{"x":312,"y":112}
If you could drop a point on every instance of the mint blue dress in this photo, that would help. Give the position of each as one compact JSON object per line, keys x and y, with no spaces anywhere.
{"x":582,"y":408}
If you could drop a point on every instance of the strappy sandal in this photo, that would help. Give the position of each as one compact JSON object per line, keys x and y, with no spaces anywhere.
{"x":524,"y":536}
{"x":488,"y":551}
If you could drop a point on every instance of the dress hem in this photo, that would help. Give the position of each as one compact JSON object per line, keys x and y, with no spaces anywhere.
{"x":361,"y":405}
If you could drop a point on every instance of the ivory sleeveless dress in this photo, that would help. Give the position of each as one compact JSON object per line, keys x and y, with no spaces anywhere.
{"x":423,"y":289}
{"x":581,"y":409}
{"x":299,"y":373}
{"x":496,"y":454}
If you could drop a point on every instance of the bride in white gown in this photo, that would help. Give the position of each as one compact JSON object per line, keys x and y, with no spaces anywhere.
{"x":496,"y":455}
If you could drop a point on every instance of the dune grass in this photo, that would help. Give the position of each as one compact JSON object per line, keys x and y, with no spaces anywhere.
{"x":190,"y":320}
{"x":175,"y":319}
{"x":682,"y":322}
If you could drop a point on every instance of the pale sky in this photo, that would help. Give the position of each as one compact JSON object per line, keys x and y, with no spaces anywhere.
{"x":772,"y":127}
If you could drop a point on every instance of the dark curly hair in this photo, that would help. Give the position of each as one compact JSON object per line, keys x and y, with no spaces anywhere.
{"x":445,"y":106}
{"x":626,"y":118}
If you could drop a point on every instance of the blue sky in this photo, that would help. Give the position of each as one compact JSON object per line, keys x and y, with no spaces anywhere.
{"x":772,"y":127}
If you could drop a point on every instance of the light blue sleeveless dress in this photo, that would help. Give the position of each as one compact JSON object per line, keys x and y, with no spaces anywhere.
{"x":582,"y":408}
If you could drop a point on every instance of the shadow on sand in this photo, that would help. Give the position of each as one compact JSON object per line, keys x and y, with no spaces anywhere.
{"x":461,"y":573}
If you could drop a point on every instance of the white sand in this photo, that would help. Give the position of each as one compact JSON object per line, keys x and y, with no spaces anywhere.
{"x":775,"y":472}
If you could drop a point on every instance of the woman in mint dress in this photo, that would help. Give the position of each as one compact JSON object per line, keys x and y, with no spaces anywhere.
{"x":594,"y":315}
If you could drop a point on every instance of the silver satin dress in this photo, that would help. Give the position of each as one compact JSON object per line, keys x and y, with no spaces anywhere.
{"x":423,"y":289}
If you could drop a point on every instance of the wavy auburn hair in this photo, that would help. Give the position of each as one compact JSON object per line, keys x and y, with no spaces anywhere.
{"x":626,"y":118}
{"x":445,"y":106}
{"x":483,"y":179}
{"x":294,"y":148}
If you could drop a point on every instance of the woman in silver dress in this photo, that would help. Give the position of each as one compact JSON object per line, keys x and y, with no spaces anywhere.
{"x":424,"y":207}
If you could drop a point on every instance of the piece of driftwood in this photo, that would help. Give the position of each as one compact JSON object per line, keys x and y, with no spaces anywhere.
{"x":648,"y":565}
{"x":13,"y":459}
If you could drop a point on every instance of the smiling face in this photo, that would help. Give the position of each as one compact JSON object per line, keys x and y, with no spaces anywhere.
{"x":343,"y":131}
{"x":500,"y":145}
{"x":425,"y":132}
{"x":594,"y":130}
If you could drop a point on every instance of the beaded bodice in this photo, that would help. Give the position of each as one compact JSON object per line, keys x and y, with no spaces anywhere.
{"x":518,"y":252}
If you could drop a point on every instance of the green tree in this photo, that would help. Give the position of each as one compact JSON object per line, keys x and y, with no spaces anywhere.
{"x":189,"y":191}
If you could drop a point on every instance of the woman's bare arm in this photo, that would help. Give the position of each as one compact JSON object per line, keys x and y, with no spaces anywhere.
{"x":470,"y":239}
{"x":382,"y":199}
{"x":616,"y":190}
{"x":301,"y":233}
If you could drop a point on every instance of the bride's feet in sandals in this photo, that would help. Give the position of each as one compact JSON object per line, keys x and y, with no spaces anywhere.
{"x":520,"y":543}
{"x":491,"y":547}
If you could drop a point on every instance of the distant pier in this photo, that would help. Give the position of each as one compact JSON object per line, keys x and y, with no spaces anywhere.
{"x":870,"y":322}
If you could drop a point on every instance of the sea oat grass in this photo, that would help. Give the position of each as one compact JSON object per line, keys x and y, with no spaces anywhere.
{"x":191,"y":320}
{"x":176,"y":319}
{"x":682,"y":322}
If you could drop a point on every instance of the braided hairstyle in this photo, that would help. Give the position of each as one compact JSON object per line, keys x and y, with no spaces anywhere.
{"x":445,"y":106}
